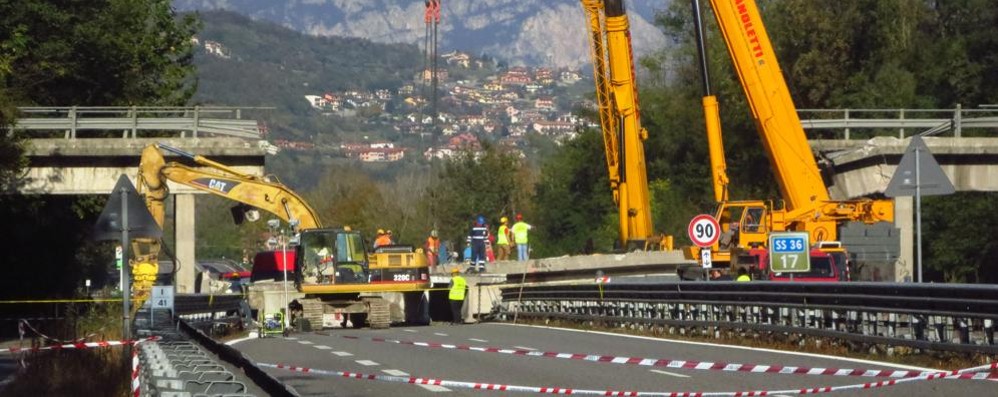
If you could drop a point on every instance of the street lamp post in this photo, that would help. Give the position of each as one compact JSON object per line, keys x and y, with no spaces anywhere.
{"x":284,"y":253}
{"x":274,"y":226}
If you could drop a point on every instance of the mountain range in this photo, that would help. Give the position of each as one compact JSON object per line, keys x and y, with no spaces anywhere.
{"x":548,"y":32}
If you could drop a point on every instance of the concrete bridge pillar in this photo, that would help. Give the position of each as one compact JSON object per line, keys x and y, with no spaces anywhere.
{"x":184,"y":241}
{"x":904,"y":213}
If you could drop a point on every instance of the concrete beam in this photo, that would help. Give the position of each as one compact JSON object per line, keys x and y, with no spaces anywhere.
{"x":864,"y":168}
{"x":92,"y":166}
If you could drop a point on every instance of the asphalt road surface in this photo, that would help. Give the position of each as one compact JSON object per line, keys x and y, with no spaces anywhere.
{"x":357,"y":351}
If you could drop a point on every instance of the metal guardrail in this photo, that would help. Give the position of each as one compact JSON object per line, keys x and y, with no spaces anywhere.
{"x":924,"y":121}
{"x":196,"y":308}
{"x":132,"y":120}
{"x":924,"y":316}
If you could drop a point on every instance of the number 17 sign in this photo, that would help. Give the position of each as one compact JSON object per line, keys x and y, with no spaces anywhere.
{"x":788,"y":252}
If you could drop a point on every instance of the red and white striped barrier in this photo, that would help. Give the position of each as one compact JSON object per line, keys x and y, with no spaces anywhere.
{"x":136,"y":371}
{"x":563,"y":390}
{"x":23,"y":325}
{"x":77,"y":345}
{"x":684,"y":364}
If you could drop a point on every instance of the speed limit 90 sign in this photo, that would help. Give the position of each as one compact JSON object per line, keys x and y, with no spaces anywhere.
{"x":704,"y":230}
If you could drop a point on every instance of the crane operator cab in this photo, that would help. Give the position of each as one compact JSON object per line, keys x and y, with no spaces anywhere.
{"x":331,"y":256}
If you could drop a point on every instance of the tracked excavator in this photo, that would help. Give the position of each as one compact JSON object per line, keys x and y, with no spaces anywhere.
{"x":807,"y":206}
{"x":333,"y":274}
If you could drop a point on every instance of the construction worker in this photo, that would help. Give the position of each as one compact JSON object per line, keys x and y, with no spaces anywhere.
{"x":432,"y":249}
{"x":503,"y":238}
{"x":456,"y":296}
{"x":743,"y":275}
{"x":479,"y":233}
{"x":383,"y":239}
{"x":520,"y":229}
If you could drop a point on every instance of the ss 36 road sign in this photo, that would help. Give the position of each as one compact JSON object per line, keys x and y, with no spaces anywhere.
{"x":788,"y":252}
{"x":704,"y":230}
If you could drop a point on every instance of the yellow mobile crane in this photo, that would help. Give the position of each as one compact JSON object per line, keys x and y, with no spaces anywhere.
{"x":807,"y":206}
{"x":620,"y":121}
{"x":331,"y":265}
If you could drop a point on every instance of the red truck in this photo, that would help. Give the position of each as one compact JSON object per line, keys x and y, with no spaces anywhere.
{"x":270,"y":265}
{"x":828,"y":264}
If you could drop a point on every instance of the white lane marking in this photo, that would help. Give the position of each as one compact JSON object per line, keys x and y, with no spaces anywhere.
{"x":343,"y":354}
{"x":395,"y":372}
{"x":410,"y":330}
{"x":434,"y":388}
{"x":305,"y":342}
{"x":477,"y":340}
{"x":322,"y":347}
{"x":291,"y":338}
{"x":524,"y":348}
{"x":758,"y":349}
{"x":252,"y":335}
{"x":670,"y":373}
{"x":368,"y":363}
{"x":439,"y":334}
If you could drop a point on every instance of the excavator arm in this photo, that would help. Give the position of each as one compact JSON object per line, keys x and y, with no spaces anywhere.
{"x":220,"y":180}
{"x":623,"y":136}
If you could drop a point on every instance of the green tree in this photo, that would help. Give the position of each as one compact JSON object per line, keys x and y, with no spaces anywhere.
{"x":473,"y":183}
{"x":12,"y":160}
{"x":958,"y":238}
{"x":97,"y":53}
{"x":573,"y":200}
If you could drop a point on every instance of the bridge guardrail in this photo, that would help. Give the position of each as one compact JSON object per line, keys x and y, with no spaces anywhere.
{"x":131,"y":120}
{"x":922,"y":121}
{"x":926,"y":316}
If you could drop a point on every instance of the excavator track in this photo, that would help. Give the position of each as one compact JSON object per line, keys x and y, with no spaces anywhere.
{"x":379,"y":315}
{"x":313,"y":309}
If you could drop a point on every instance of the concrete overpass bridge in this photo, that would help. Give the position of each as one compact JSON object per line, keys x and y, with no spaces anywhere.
{"x":65,"y":161}
{"x":965,"y":144}
{"x":69,"y":154}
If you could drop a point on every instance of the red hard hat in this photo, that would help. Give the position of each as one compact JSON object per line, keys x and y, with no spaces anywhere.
{"x":519,"y":217}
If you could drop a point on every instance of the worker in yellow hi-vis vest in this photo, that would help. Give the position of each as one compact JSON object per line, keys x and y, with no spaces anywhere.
{"x":457,"y":293}
{"x":520,"y":229}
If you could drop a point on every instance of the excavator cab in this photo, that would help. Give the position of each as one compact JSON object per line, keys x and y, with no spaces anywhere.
{"x":331,"y":256}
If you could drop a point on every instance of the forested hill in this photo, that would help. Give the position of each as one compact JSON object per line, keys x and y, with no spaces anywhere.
{"x":252,"y":63}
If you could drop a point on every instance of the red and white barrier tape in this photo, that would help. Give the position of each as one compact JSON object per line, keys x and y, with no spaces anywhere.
{"x":78,"y":345}
{"x":23,"y":324}
{"x":562,"y":390}
{"x":683,"y":364}
{"x":136,"y":371}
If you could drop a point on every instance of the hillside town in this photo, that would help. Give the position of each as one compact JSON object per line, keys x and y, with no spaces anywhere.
{"x":503,"y":108}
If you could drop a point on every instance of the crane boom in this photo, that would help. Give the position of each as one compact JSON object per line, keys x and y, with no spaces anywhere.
{"x":623,"y":136}
{"x":807,"y":203}
{"x":772,"y":106}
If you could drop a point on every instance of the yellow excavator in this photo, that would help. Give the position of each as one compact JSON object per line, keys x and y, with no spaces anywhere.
{"x":620,"y":122}
{"x":332,"y":267}
{"x":807,"y":206}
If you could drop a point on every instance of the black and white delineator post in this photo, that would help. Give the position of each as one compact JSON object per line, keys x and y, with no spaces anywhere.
{"x":918,"y":174}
